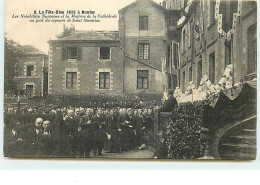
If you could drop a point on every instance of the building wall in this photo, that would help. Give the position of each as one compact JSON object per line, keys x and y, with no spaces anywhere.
{"x":155,"y":36}
{"x":214,"y":42}
{"x":37,"y":76}
{"x":87,"y":69}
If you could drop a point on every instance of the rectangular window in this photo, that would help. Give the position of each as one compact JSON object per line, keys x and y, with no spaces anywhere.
{"x":143,"y":23}
{"x":143,"y":51}
{"x":212,"y":67}
{"x":29,"y":90}
{"x":183,"y":40}
{"x":29,"y":71}
{"x":142,"y":79}
{"x":104,"y":53}
{"x":190,"y":74}
{"x":72,"y":52}
{"x":172,"y":20}
{"x":183,"y":81}
{"x":71,"y":80}
{"x":104,"y":80}
{"x":227,"y":53}
{"x":212,"y":11}
{"x":252,"y":49}
{"x":199,"y":73}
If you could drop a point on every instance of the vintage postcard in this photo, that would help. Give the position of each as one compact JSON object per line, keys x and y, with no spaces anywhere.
{"x":132,"y":79}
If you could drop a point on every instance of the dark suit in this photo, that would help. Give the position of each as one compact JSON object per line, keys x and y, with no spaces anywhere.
{"x":71,"y":131}
{"x":112,"y":129}
{"x":32,"y":139}
{"x":169,"y":105}
{"x":87,"y":137}
{"x":138,"y":125}
{"x":100,"y":124}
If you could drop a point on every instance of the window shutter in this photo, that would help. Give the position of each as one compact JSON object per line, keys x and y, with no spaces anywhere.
{"x":79,"y":53}
{"x":64,"y":53}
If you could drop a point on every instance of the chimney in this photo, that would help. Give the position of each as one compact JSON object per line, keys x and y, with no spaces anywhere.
{"x":164,"y":4}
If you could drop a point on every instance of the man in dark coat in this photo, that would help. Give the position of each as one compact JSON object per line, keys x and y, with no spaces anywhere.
{"x":33,"y":132}
{"x":122,"y":133}
{"x":71,"y":130}
{"x":86,"y":134}
{"x":112,"y":130}
{"x":129,"y":127}
{"x":169,"y":104}
{"x":100,"y":121}
{"x":138,"y":125}
{"x":14,"y":140}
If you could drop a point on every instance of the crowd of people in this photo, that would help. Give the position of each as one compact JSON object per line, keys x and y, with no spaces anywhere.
{"x":82,"y":132}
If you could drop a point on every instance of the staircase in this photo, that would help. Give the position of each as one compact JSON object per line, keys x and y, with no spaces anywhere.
{"x":239,"y":142}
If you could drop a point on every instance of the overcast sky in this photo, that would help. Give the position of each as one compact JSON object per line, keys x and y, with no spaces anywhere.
{"x":37,"y":34}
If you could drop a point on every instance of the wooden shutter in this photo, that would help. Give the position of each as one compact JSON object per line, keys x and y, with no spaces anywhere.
{"x":64,"y":53}
{"x":79,"y":53}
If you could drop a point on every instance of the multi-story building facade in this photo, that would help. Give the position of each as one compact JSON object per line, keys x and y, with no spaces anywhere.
{"x":215,"y":34}
{"x":137,"y":59}
{"x":85,"y":62}
{"x":31,"y":71}
{"x":144,"y":39}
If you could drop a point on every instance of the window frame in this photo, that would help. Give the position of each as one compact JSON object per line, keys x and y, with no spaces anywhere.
{"x":212,"y":64}
{"x":104,"y":86}
{"x":143,"y":79}
{"x":32,"y":89}
{"x":99,"y":54}
{"x":199,"y":71}
{"x":190,"y":74}
{"x":69,"y":53}
{"x":143,"y":26}
{"x":143,"y":51}
{"x":31,"y":72}
{"x":72,"y":81}
{"x":183,"y":40}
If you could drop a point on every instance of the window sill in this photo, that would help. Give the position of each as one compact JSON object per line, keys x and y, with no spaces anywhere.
{"x":104,"y":60}
{"x":71,"y":89}
{"x":104,"y":89}
{"x":72,"y":60}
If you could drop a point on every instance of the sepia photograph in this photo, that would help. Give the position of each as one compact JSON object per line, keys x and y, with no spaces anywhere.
{"x":132,"y":79}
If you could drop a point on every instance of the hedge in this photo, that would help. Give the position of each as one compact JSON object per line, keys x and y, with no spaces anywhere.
{"x":106,"y":101}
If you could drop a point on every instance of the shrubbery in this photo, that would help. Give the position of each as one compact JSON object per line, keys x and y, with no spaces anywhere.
{"x":183,"y":138}
{"x":106,"y":101}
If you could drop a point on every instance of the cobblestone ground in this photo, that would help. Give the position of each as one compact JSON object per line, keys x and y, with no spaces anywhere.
{"x":133,"y":154}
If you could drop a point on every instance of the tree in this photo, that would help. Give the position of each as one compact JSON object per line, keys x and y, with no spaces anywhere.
{"x":11,"y":55}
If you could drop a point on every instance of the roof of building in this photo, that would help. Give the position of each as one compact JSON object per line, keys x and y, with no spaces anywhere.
{"x":30,"y":50}
{"x":90,"y":36}
{"x":138,"y":1}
